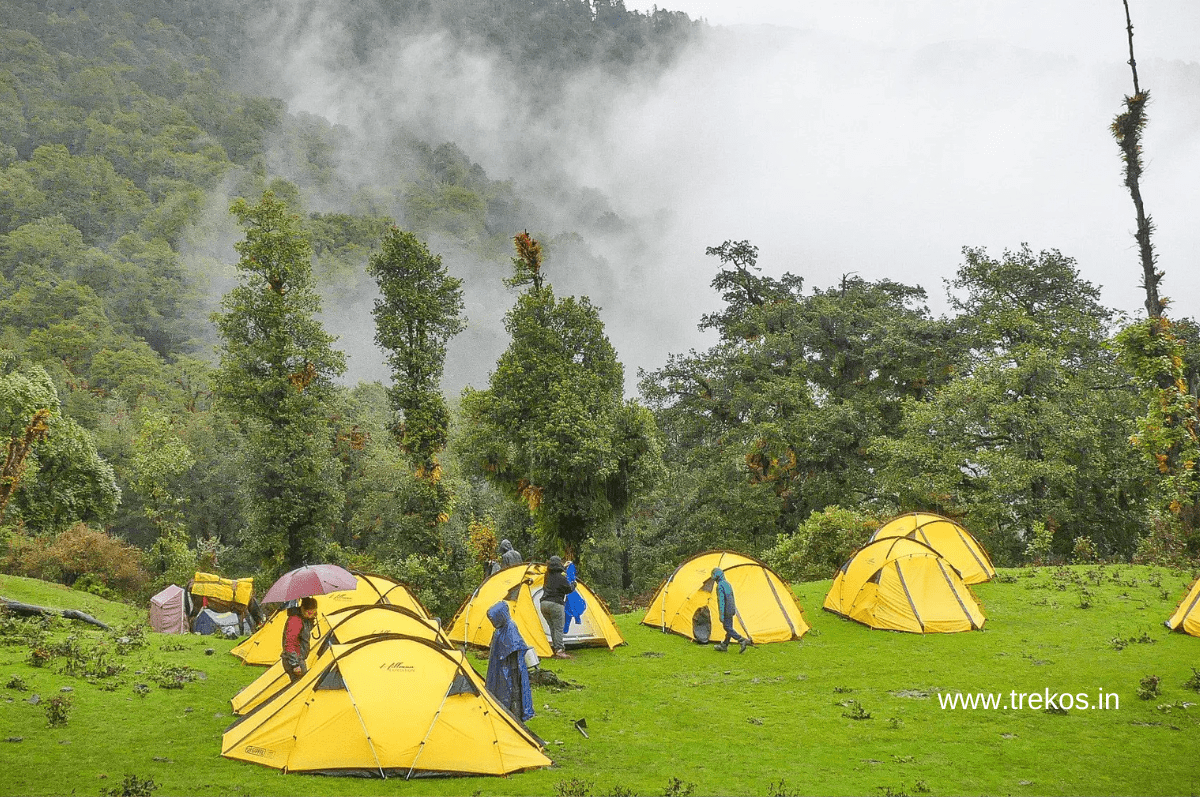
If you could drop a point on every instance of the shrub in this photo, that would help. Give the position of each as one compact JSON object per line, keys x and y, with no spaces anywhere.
{"x":821,"y":544}
{"x":855,"y":711}
{"x":170,"y":676}
{"x":1168,"y":543}
{"x":778,"y":789}
{"x":1148,"y":687}
{"x":89,"y":582}
{"x":58,"y":710}
{"x":75,"y":553}
{"x":132,"y":786}
{"x":1193,"y":683}
{"x":129,"y":638}
{"x":170,"y":559}
{"x":575,"y":787}
{"x":30,"y":631}
{"x":1084,"y":551}
{"x":1041,"y":542}
{"x":678,"y":788}
{"x":90,"y":664}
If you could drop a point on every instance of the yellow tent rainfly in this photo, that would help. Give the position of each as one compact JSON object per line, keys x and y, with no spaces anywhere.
{"x":346,"y":625}
{"x":1187,"y":615}
{"x":266,"y":644}
{"x":901,"y":584}
{"x":386,"y":706}
{"x":686,"y":603}
{"x":521,"y":585}
{"x":948,"y":538}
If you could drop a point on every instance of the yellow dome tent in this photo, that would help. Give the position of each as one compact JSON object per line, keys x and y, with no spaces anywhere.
{"x":901,"y":584}
{"x":346,"y":625}
{"x":1187,"y":615}
{"x":521,"y":585}
{"x":265,"y":646}
{"x":767,"y":610}
{"x":388,"y":705}
{"x":948,"y":538}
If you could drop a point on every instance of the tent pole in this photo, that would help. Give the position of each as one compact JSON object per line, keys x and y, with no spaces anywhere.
{"x":366,"y":733}
{"x":428,"y":733}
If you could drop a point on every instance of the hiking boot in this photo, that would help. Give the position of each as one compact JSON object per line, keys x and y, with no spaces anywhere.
{"x":721,"y":647}
{"x":743,"y":644}
{"x":562,"y":654}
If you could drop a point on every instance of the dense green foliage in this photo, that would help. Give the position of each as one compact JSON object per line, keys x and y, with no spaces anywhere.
{"x":552,"y":430}
{"x":418,"y":312}
{"x":276,"y":376}
{"x":1026,"y":431}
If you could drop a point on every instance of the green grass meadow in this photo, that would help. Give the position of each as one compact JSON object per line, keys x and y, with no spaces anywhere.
{"x":847,"y":710}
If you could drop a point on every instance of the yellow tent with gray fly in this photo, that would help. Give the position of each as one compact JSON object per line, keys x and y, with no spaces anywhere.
{"x":1186,"y":617}
{"x":686,"y":603}
{"x":348,"y":624}
{"x":521,"y":585}
{"x":957,"y":545}
{"x":388,"y":705}
{"x":901,"y":584}
{"x":265,"y":646}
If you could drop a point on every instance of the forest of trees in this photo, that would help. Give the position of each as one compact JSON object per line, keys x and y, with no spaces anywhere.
{"x":151,"y":431}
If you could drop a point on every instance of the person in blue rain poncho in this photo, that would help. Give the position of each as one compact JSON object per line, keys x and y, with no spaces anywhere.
{"x":727,"y":608}
{"x":507,"y":677}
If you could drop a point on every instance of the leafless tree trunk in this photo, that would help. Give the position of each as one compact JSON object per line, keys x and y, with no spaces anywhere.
{"x":1127,"y":129}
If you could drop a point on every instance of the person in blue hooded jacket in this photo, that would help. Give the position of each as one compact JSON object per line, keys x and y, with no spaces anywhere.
{"x":727,"y":609}
{"x":507,"y":677}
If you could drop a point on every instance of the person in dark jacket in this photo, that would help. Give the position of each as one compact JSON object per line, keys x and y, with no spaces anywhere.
{"x":727,"y":609}
{"x":509,"y":556}
{"x":507,"y":676}
{"x":554,"y":595}
{"x":297,"y":636}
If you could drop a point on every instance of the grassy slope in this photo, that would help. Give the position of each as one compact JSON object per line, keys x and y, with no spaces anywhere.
{"x":662,"y":707}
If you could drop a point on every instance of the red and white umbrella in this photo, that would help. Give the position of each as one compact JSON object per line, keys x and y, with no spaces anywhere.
{"x":310,"y":580}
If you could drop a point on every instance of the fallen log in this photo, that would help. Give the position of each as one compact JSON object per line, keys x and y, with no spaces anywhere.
{"x":29,"y":610}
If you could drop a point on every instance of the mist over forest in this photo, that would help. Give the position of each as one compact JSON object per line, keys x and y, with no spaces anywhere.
{"x":700,"y":286}
{"x":834,"y":154}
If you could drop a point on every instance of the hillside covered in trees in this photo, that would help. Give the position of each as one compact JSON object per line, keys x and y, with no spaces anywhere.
{"x":186,"y":261}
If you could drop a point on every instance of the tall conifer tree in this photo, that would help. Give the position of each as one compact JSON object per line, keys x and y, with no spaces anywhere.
{"x":276,"y":373}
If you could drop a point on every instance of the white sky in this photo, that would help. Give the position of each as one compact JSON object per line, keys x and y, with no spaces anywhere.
{"x":887,"y":134}
{"x":1162,"y":28}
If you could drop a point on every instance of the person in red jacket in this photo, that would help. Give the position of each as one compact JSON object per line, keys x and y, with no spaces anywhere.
{"x":297,"y":636}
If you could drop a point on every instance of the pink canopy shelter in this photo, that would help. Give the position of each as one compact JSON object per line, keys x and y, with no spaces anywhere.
{"x":167,"y":615}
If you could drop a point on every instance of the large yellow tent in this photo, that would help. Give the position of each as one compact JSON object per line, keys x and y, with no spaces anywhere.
{"x":521,"y":585}
{"x":767,"y":610}
{"x":1187,"y":615}
{"x":346,"y":625}
{"x":950,"y":539}
{"x":388,"y":705}
{"x":901,"y":584}
{"x":265,"y":646}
